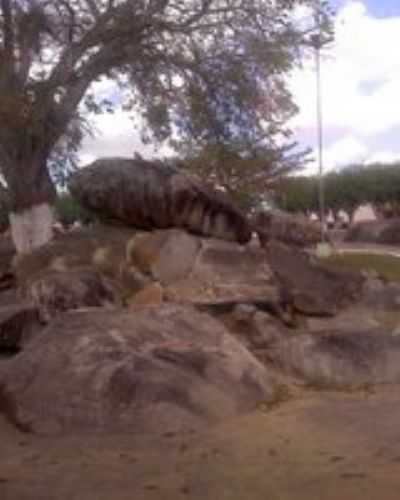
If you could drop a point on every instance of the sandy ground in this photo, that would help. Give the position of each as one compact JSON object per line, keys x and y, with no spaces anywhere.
{"x":328,"y":446}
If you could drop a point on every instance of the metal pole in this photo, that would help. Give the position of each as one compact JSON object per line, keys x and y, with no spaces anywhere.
{"x":321,"y":193}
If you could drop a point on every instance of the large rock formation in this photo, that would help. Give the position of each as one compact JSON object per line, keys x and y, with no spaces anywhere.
{"x":163,"y":368}
{"x":106,"y":265}
{"x":149,"y":195}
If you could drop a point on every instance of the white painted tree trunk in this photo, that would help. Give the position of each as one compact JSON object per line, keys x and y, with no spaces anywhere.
{"x":32,"y":227}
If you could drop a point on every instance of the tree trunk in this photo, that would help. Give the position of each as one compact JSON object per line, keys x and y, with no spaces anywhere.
{"x":31,"y":216}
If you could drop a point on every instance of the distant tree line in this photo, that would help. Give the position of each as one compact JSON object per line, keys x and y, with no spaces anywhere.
{"x":345,"y":190}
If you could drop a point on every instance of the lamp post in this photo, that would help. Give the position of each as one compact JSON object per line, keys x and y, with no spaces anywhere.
{"x":317,"y":43}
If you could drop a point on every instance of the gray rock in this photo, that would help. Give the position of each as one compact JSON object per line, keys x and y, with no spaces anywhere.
{"x":148,"y":195}
{"x":53,"y":292}
{"x":383,"y":232}
{"x":380,"y":295}
{"x":353,"y":318}
{"x":225,"y":262}
{"x":256,"y":329}
{"x":166,"y":368}
{"x":340,"y":359}
{"x":309,"y":287}
{"x":167,"y":255}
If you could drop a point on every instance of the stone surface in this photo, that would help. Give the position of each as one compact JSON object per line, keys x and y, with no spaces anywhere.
{"x":149,"y":195}
{"x":101,"y":247}
{"x":149,"y":295}
{"x":379,"y":295}
{"x":167,"y":256}
{"x":18,"y":322}
{"x":257,"y":330}
{"x":167,"y":368}
{"x":352,"y":318}
{"x":53,"y":292}
{"x":291,"y":229}
{"x":227,"y":263}
{"x":340,"y":359}
{"x":7,"y":254}
{"x":309,"y":287}
{"x":188,"y":267}
{"x":384,"y":232}
{"x":193,"y":269}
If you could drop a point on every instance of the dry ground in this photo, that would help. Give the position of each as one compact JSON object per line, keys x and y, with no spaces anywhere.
{"x":328,"y":446}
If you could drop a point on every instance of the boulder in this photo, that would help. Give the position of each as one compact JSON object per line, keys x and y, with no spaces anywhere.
{"x":383,"y":232}
{"x":291,"y":229}
{"x":168,"y":368}
{"x":150,"y":195}
{"x":307,"y":286}
{"x":340,"y":359}
{"x":53,"y":292}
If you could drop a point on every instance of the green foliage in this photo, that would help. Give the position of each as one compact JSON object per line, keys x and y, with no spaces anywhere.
{"x":346,"y":190}
{"x":245,"y":175}
{"x":297,"y":194}
{"x":69,"y":211}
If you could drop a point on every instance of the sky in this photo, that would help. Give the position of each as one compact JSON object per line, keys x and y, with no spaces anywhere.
{"x":360,"y":87}
{"x":360,"y":76}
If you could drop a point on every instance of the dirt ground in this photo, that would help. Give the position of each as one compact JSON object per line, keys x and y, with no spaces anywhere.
{"x":328,"y":446}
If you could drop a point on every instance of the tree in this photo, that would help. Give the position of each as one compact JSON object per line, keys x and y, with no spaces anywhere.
{"x":298,"y":194}
{"x":382,"y":188}
{"x":247,"y":176}
{"x":198,"y":69}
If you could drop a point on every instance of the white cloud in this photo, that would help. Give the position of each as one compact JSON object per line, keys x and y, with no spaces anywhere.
{"x":117,"y":133}
{"x":383,"y":157}
{"x":116,"y":136}
{"x":344,"y":152}
{"x":360,"y":82}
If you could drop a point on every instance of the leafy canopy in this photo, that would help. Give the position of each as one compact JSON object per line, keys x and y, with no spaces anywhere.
{"x":377,"y":184}
{"x":198,"y":71}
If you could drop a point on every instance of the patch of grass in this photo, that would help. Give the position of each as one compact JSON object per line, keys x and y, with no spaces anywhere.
{"x":386,"y":266}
